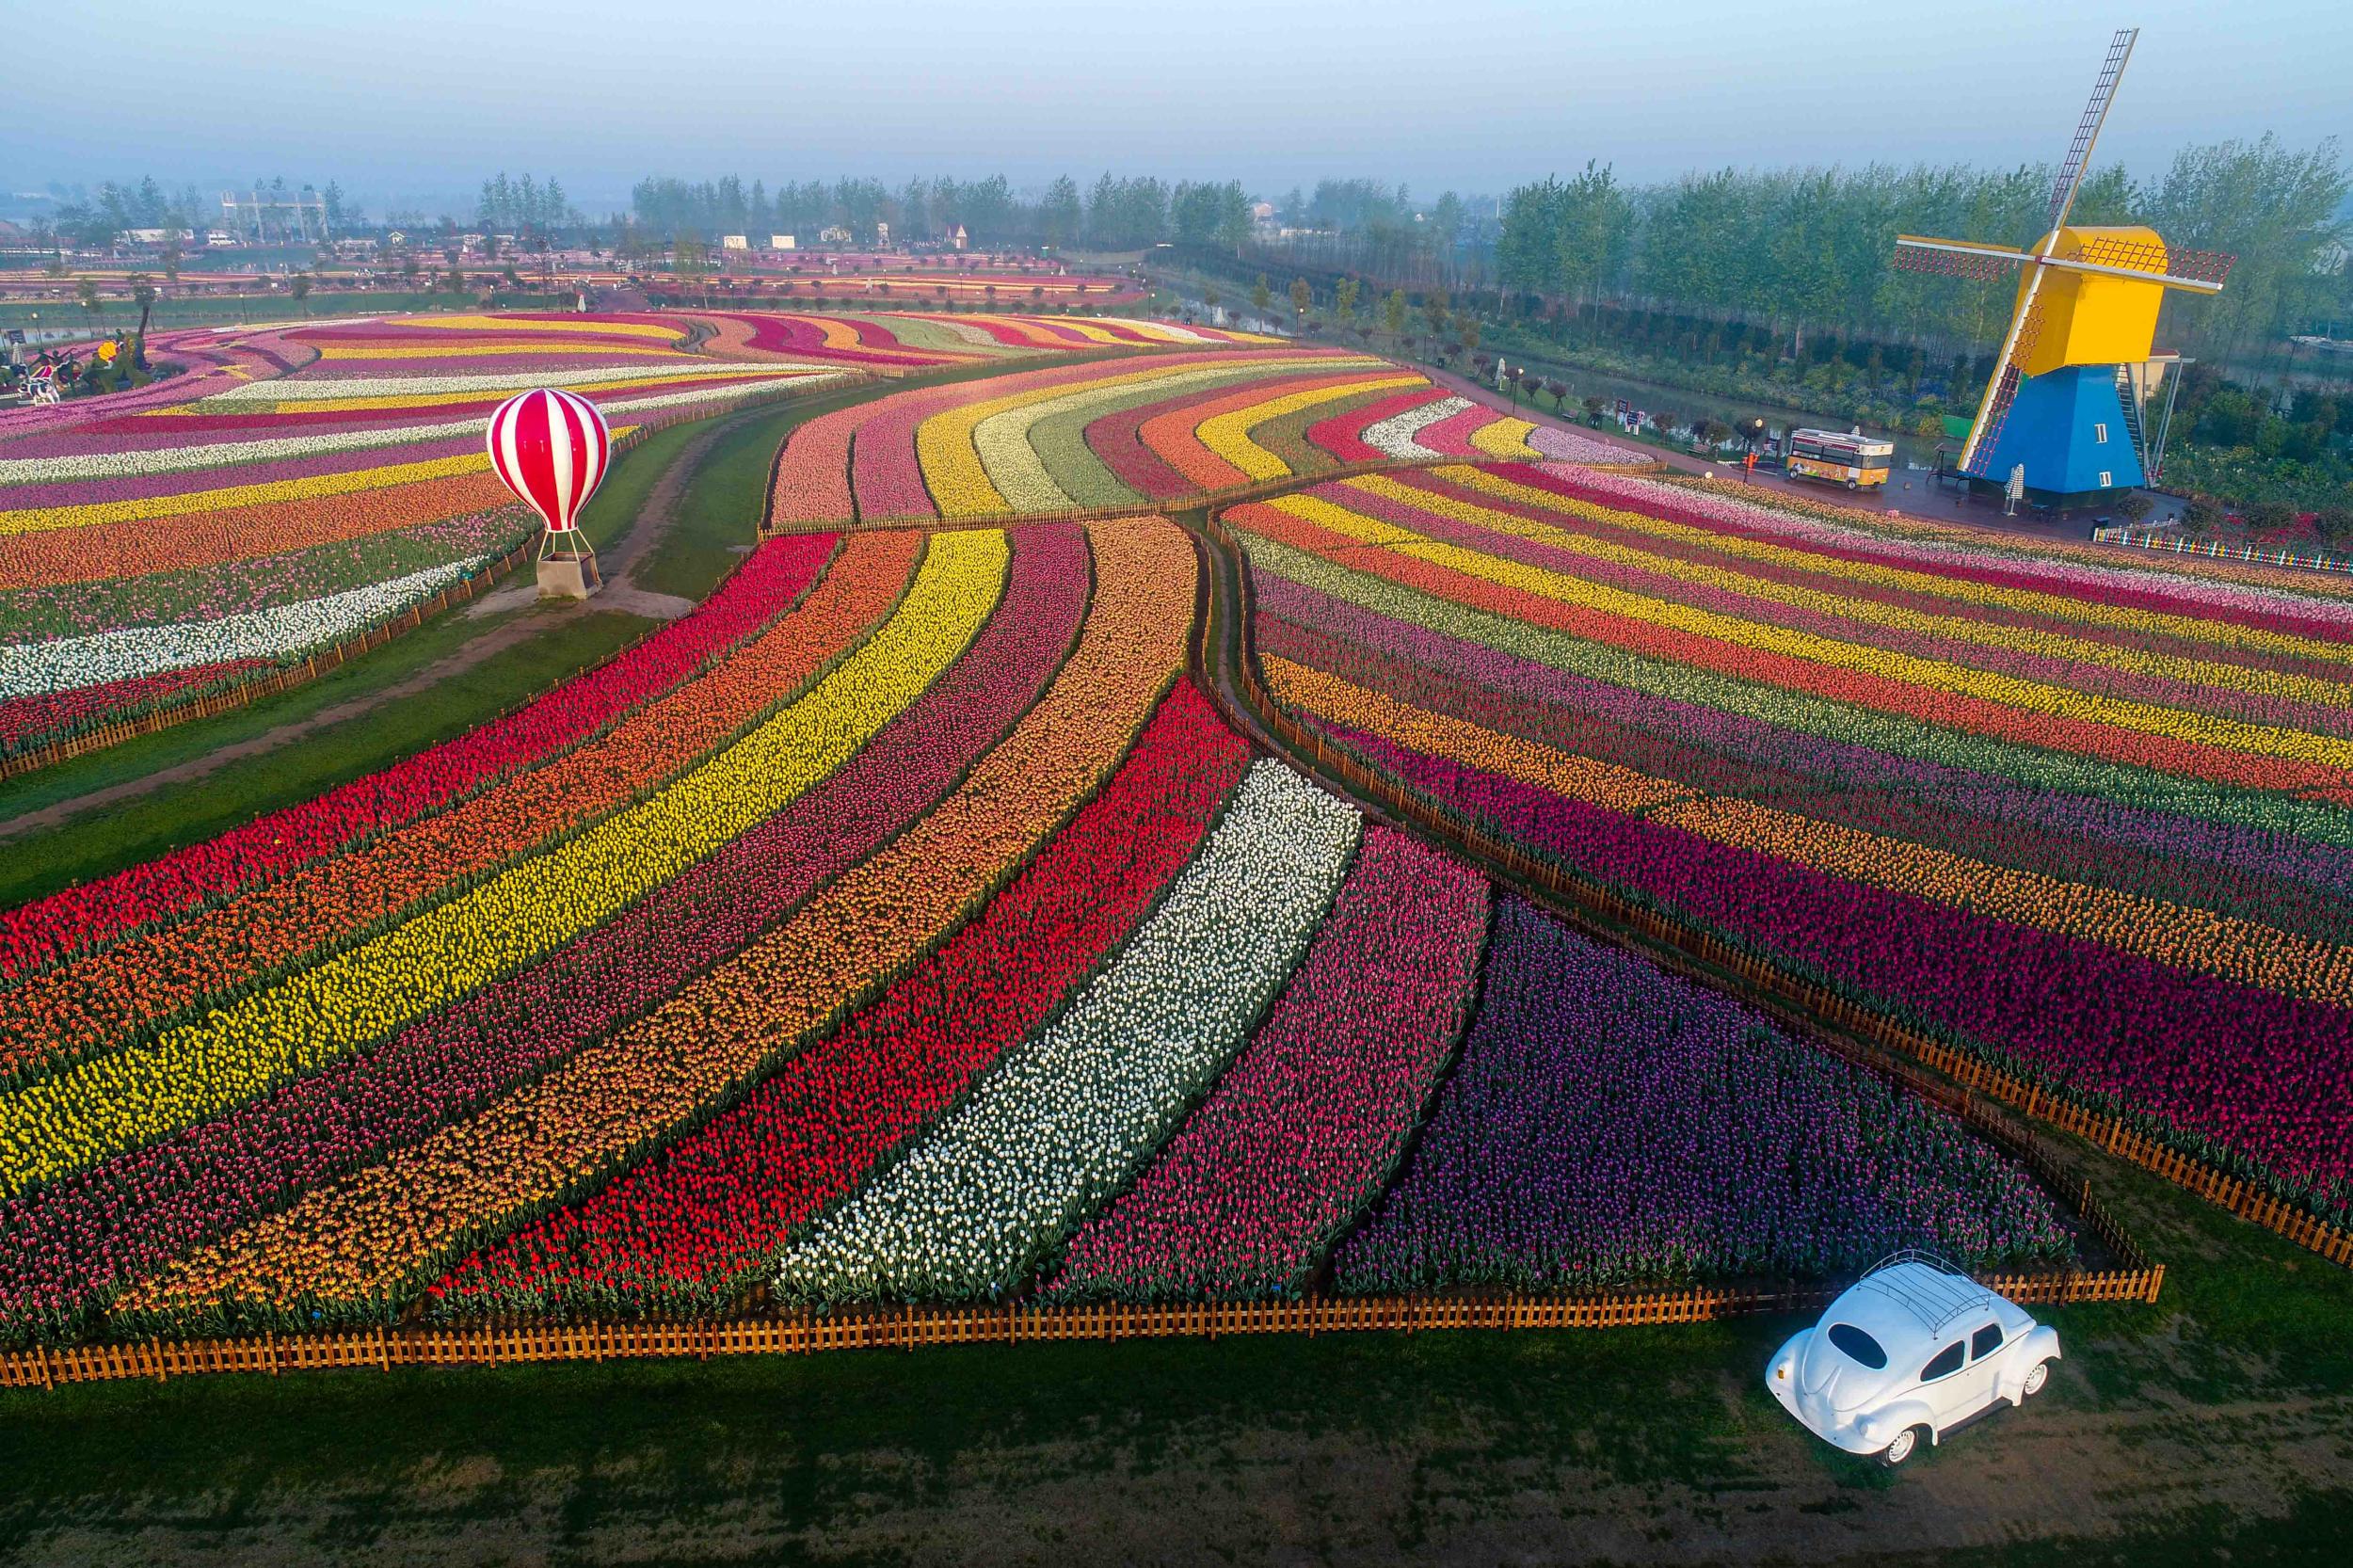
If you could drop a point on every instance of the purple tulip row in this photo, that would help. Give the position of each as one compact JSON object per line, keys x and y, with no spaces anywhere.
{"x":1610,"y":1125}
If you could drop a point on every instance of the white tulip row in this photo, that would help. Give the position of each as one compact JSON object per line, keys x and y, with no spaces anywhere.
{"x":68,"y":663}
{"x":275,"y":449}
{"x":1071,"y":1115}
{"x":1395,"y":434}
{"x":297,"y":390}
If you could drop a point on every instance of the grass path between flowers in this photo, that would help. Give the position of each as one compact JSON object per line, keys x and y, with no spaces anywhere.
{"x":2217,"y":1422}
{"x":672,"y":518}
{"x":112,"y":808}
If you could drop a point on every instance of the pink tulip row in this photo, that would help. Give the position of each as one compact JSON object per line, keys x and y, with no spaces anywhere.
{"x":1302,"y":1130}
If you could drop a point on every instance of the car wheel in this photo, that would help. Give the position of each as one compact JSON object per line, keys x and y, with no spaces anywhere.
{"x":1901,"y":1449}
{"x":1852,"y":485}
{"x":2036,"y":1377}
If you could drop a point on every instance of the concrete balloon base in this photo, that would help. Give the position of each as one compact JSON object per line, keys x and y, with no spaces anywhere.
{"x":568,"y":577}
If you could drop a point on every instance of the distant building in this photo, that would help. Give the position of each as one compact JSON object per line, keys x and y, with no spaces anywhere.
{"x":882,"y":233}
{"x":955,"y":237}
{"x":735,"y":242}
{"x":780,"y":242}
{"x":833,"y":233}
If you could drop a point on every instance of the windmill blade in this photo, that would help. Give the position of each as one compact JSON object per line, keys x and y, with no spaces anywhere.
{"x":2001,"y":387}
{"x":1956,"y":258}
{"x":2070,"y":172}
{"x":2165,"y":279}
{"x":2153,"y":259}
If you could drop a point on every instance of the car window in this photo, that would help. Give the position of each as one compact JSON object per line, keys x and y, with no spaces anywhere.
{"x":1945,"y":1364}
{"x":1985,"y":1341}
{"x":1858,"y":1346}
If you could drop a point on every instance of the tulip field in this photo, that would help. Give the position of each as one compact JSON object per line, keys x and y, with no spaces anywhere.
{"x":165,"y":550}
{"x":300,"y":485}
{"x":902,"y":925}
{"x":1121,"y":434}
{"x":914,"y":339}
{"x":2090,"y":820}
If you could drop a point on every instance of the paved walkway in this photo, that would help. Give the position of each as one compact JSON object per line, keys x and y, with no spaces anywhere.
{"x":1908,"y":494}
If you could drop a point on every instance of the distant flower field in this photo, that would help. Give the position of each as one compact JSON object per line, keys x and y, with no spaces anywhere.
{"x":2085,"y":817}
{"x":303,"y":483}
{"x":1123,"y":433}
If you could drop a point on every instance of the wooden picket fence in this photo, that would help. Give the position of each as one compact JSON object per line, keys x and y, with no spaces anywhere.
{"x":1796,"y":997}
{"x":384,"y":1347}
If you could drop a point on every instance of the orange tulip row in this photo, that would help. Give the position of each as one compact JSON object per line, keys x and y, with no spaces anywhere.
{"x":359,"y":1244}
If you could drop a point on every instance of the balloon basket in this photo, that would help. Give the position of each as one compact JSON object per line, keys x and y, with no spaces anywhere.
{"x":568,"y":568}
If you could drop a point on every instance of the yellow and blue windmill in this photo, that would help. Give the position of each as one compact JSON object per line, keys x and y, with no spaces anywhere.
{"x":2069,"y":398}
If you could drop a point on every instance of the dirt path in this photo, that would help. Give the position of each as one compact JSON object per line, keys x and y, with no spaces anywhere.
{"x":622,"y":593}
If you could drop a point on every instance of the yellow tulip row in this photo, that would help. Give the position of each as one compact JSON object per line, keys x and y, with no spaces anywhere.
{"x":58,"y":1125}
{"x":376,"y":1229}
{"x":2261,"y":740}
{"x":1959,"y":628}
{"x":1507,"y":438}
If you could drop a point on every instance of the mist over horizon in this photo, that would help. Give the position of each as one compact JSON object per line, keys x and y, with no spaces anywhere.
{"x":409,"y":107}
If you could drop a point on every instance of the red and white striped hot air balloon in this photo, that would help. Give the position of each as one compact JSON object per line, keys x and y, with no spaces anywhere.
{"x":551,"y":449}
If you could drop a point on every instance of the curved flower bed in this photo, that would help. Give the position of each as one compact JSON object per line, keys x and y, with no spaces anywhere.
{"x":219,"y":950}
{"x":1067,"y":1116}
{"x":1609,"y":1125}
{"x":1171,"y":428}
{"x":77,"y":918}
{"x":130,"y":1215}
{"x":72,"y":1119}
{"x":377,"y":1235}
{"x":704,"y":1221}
{"x":1303,"y":1129}
{"x":2038,"y":809}
{"x":208,"y":515}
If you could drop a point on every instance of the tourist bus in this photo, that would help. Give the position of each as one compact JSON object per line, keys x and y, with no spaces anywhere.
{"x":1857,"y":462}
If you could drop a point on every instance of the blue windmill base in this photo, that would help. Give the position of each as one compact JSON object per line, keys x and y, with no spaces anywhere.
{"x":2071,"y":430}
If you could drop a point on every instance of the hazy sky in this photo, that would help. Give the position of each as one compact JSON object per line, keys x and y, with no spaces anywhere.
{"x":419,"y":99}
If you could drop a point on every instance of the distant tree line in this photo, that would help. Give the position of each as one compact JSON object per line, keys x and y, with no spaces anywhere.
{"x":1120,"y":213}
{"x":1809,"y":249}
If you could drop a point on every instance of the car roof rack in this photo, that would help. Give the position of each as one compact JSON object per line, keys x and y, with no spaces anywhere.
{"x":1935,"y":1298}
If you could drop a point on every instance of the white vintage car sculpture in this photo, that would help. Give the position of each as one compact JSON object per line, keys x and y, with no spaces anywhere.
{"x":1912,"y":1350}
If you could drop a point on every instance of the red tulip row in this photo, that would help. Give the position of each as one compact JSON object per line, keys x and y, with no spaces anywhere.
{"x":79,"y":918}
{"x":697,"y":1224}
{"x":133,"y":1214}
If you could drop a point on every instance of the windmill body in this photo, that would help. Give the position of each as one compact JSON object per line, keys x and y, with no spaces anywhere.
{"x":2071,"y":393}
